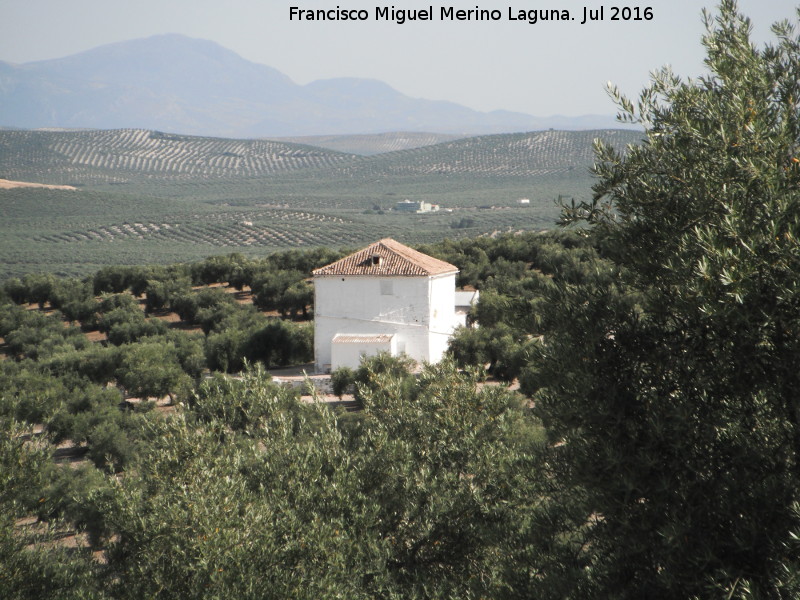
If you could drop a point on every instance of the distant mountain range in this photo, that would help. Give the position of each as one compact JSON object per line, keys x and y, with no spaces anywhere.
{"x":178,"y":84}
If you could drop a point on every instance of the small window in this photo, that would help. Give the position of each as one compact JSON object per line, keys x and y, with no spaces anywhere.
{"x":387,"y":287}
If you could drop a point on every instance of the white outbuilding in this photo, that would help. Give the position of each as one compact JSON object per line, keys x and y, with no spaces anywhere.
{"x":385,"y":298}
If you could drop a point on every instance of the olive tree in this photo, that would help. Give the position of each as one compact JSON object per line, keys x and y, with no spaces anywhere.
{"x":250,"y":494}
{"x":671,"y":393}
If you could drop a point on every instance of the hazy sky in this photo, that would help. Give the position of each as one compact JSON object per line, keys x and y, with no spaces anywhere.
{"x":547,"y":68}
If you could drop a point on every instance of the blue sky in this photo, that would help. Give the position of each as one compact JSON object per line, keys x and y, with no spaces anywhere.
{"x":542,"y":69}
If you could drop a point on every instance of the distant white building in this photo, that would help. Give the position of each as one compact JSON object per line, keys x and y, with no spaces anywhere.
{"x":386,"y":297}
{"x":416,"y":207}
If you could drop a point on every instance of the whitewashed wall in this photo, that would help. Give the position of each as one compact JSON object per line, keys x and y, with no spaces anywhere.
{"x":351,"y":305}
{"x":349,"y":354}
{"x":442,"y":315}
{"x":419,"y":311}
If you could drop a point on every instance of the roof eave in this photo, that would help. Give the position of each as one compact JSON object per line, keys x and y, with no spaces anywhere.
{"x":454,"y":272}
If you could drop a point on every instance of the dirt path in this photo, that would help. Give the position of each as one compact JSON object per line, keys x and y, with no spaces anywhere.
{"x":6,"y":184}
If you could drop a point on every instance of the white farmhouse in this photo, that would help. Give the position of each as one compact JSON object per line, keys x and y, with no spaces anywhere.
{"x":386,"y":297}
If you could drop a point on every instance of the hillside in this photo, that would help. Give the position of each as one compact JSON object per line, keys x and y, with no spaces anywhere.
{"x":145,"y":196}
{"x":530,"y":154}
{"x":376,"y":143}
{"x":117,"y":156}
{"x":132,"y":155}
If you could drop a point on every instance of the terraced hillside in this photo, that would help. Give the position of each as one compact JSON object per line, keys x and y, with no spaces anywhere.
{"x":122,"y":155}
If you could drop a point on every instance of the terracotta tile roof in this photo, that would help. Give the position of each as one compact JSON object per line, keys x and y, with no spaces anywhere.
{"x":387,"y":258}
{"x":354,"y":338}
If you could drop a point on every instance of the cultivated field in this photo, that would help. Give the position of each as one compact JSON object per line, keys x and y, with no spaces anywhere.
{"x":376,"y":143}
{"x":125,"y":155}
{"x":146,"y":196}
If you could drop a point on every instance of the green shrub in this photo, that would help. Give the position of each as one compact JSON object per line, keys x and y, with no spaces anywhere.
{"x":343,"y":380}
{"x":110,"y":447}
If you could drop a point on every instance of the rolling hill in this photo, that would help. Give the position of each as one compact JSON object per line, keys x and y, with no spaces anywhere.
{"x":530,"y":154}
{"x":375,"y":143}
{"x":115,"y":156}
{"x":144,"y":196}
{"x":89,"y":158}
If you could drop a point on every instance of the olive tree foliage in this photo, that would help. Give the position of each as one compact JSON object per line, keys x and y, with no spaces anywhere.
{"x":672,"y":393}
{"x":247,"y":493}
{"x":513,"y":273}
{"x":29,"y":568}
{"x":153,"y":369}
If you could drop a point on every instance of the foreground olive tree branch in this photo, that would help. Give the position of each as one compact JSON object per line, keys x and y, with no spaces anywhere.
{"x":673,"y":395}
